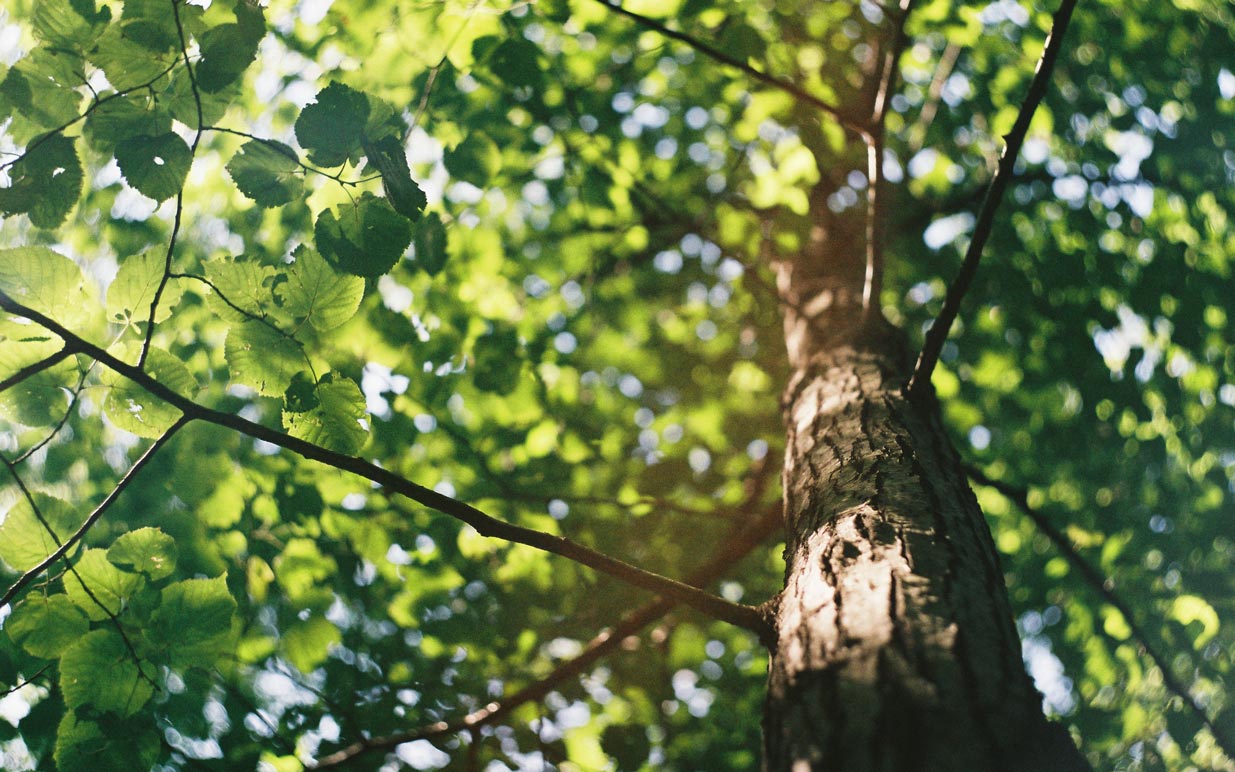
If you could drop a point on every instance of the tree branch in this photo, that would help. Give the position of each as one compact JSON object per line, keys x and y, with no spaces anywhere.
{"x":938,"y":333}
{"x":1099,"y":585}
{"x":738,"y":614}
{"x":736,"y":547}
{"x":94,"y":516}
{"x":720,"y":56}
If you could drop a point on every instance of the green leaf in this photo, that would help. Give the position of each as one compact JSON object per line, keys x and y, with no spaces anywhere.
{"x":124,"y":54}
{"x":193,"y":621}
{"x":131,"y":293}
{"x":104,"y":584}
{"x":262,"y":359}
{"x":316,"y":292}
{"x":146,"y":550}
{"x":364,"y":240}
{"x":68,"y":23}
{"x":24,"y":537}
{"x":242,"y":287}
{"x":334,"y":422}
{"x":102,"y":744}
{"x":133,"y":409}
{"x":45,"y":625}
{"x":429,"y":240}
{"x":119,"y":118}
{"x":155,"y":166}
{"x":228,"y":49}
{"x":388,"y":157}
{"x":39,"y":92}
{"x":39,"y":400}
{"x":39,"y":278}
{"x":46,"y":182}
{"x":268,"y":172}
{"x":99,"y":673}
{"x":497,"y":364}
{"x":307,"y":644}
{"x":331,"y":128}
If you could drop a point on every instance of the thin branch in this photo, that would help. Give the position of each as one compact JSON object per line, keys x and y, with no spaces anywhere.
{"x":27,"y":681}
{"x":735,"y":548}
{"x":895,"y":45}
{"x":720,"y":56}
{"x":94,"y":516}
{"x":1099,"y":585}
{"x":738,"y":614}
{"x":31,"y":370}
{"x":938,"y":333}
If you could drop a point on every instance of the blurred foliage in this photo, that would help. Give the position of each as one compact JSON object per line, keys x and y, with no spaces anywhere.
{"x":518,"y":253}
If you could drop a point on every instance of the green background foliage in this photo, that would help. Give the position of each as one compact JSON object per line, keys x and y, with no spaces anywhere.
{"x":518,"y":253}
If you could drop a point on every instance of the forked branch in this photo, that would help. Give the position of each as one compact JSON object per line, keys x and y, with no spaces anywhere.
{"x":938,"y":333}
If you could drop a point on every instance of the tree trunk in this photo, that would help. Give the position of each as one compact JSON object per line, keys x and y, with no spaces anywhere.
{"x":896,"y":649}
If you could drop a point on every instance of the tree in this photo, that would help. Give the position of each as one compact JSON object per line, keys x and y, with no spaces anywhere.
{"x":397,"y":383}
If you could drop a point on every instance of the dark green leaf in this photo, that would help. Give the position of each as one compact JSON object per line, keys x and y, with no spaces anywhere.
{"x":496,"y":362}
{"x":99,"y":673}
{"x":155,"y":166}
{"x":46,"y":182}
{"x":387,"y":156}
{"x":267,"y":172}
{"x":476,"y":160}
{"x":119,"y":118}
{"x":193,"y":621}
{"x":68,"y":23}
{"x":331,"y":128}
{"x":366,"y":239}
{"x":228,"y":49}
{"x":100,"y":744}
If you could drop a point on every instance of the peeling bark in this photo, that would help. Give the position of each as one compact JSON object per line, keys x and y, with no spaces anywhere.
{"x":895,"y":647}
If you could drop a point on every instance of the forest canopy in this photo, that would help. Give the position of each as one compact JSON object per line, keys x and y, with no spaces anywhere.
{"x":403,"y":384}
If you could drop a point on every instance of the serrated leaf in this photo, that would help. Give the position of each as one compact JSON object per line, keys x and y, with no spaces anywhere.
{"x":24,"y":537}
{"x":133,"y":409}
{"x":155,"y":166}
{"x":46,"y":625}
{"x":40,"y":278}
{"x":68,"y":23}
{"x":307,"y":644}
{"x":124,"y":55}
{"x":104,"y":745}
{"x":39,"y":93}
{"x":46,"y":182}
{"x":262,"y":359}
{"x":242,"y":287}
{"x":41,"y":399}
{"x":106,"y":585}
{"x":131,"y":293}
{"x":316,"y":292}
{"x":182,"y":102}
{"x":331,"y":127}
{"x":193,"y":621}
{"x":118,"y":118}
{"x":334,"y":423}
{"x":364,"y":240}
{"x":228,"y":49}
{"x":147,"y":550}
{"x":429,"y":241}
{"x":268,"y":172}
{"x":388,"y":157}
{"x":99,"y":673}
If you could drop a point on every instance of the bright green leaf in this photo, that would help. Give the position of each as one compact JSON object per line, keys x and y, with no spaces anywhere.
{"x":193,"y":621}
{"x":99,"y":673}
{"x":146,"y":550}
{"x":335,"y":421}
{"x":45,"y":625}
{"x":104,"y":745}
{"x":259,"y":357}
{"x":46,"y":182}
{"x":107,"y":588}
{"x":307,"y":644}
{"x":316,"y":292}
{"x":136,"y":410}
{"x":24,"y":536}
{"x":133,"y":290}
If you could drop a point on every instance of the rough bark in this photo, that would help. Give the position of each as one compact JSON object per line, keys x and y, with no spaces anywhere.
{"x":896,"y":649}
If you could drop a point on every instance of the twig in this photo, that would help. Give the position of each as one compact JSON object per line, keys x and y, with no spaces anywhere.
{"x":720,"y":56}
{"x":737,"y":614}
{"x":736,"y":547}
{"x":27,"y":681}
{"x":938,"y":333}
{"x":1099,"y":585}
{"x":94,"y":516}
